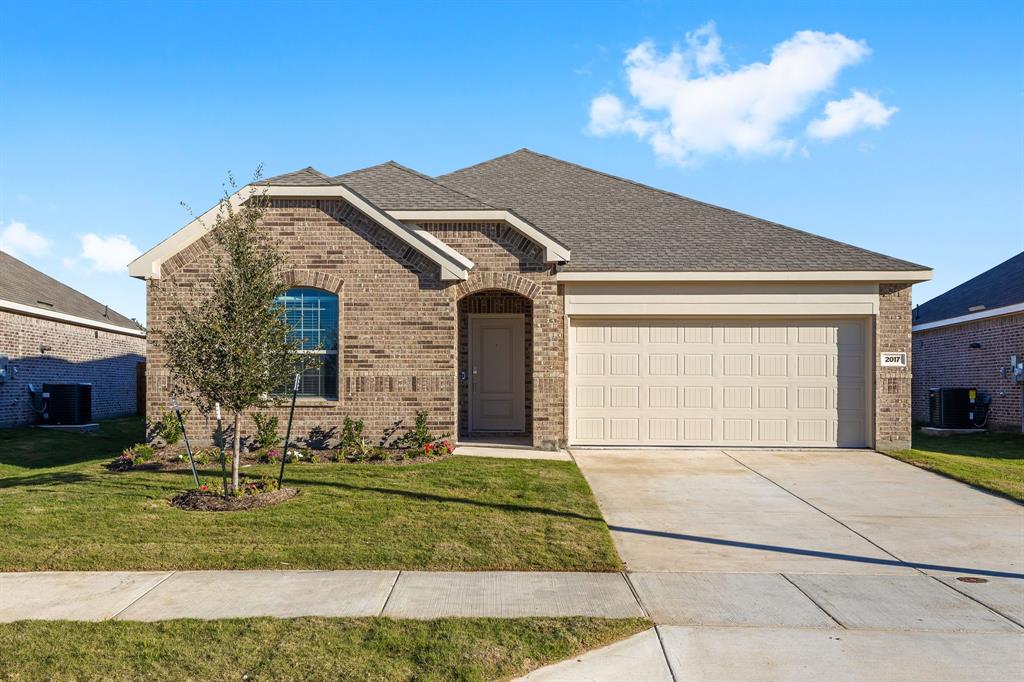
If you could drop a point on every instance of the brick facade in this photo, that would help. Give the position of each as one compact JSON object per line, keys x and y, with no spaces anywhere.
{"x":72,"y":354}
{"x":893,"y":424}
{"x":944,"y":358}
{"x":398,"y":322}
{"x":403,"y":333}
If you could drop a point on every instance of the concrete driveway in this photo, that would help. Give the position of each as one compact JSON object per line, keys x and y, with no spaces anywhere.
{"x":759,"y":564}
{"x":825,"y":511}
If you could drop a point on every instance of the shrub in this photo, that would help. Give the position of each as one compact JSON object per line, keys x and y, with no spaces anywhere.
{"x":167,"y":427}
{"x":418,"y":436}
{"x":351,"y":432}
{"x":201,"y":457}
{"x":267,"y":435}
{"x":132,"y":457}
{"x":255,"y":486}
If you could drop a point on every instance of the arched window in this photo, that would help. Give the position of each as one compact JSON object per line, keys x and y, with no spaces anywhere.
{"x":313,"y":317}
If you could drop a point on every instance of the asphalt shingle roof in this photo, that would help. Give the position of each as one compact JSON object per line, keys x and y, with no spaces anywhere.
{"x":305,"y":177}
{"x":1001,"y":286}
{"x":21,"y":283}
{"x":393,"y":187}
{"x":614,"y":224}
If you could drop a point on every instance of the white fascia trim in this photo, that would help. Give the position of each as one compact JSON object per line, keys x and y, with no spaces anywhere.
{"x":980,"y":315}
{"x":453,"y":266}
{"x":750,"y":276}
{"x":147,"y":266}
{"x":71,"y":319}
{"x":553,"y":251}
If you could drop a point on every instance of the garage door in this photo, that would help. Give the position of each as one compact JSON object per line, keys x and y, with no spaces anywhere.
{"x":740,"y":382}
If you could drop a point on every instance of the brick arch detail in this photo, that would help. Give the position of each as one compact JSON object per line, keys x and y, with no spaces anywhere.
{"x":498,"y":280}
{"x":314,"y":279}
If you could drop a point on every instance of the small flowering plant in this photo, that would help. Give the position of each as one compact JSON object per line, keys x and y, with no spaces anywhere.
{"x":270,"y":456}
{"x":132,"y":457}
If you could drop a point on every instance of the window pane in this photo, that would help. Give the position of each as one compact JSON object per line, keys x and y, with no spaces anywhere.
{"x":313,"y":317}
{"x":322,"y":381}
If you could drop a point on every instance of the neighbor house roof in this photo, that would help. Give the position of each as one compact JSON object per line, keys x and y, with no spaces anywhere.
{"x":613,"y":224}
{"x":1000,"y":287}
{"x":24,"y":289}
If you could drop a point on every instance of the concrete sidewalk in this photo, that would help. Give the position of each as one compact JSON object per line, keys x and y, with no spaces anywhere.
{"x":914,"y":602}
{"x":732,"y":626}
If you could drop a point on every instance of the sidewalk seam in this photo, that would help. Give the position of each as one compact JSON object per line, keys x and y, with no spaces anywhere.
{"x":869,"y":540}
{"x":390,"y":592}
{"x":976,"y":601}
{"x":141,"y":596}
{"x":814,"y":601}
{"x":664,"y":653}
{"x":636,"y":596}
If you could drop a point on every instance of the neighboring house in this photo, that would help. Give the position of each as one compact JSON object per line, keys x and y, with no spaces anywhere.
{"x":50,"y":333}
{"x":966,"y":337}
{"x":528,"y":295}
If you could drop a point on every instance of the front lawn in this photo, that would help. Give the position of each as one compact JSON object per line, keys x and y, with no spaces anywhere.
{"x":61,"y":509}
{"x":299,"y":649}
{"x":993,"y":460}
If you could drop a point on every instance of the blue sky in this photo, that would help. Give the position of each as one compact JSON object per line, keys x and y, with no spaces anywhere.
{"x":112,"y":114}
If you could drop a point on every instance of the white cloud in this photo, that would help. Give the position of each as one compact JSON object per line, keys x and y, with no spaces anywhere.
{"x":110,"y":253}
{"x":689,"y":103}
{"x":17,"y":240}
{"x":845,"y":116}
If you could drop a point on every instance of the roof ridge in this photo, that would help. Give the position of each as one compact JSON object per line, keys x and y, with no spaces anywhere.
{"x":676,"y":195}
{"x":435,"y":181}
{"x":497,"y":158}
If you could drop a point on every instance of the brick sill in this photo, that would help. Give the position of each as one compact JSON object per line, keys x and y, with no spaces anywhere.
{"x":315,"y":402}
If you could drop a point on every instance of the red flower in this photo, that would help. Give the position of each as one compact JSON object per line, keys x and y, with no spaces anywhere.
{"x":427,"y":447}
{"x":203,"y":487}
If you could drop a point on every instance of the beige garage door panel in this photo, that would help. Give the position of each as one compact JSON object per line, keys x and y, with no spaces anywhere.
{"x":680,"y":382}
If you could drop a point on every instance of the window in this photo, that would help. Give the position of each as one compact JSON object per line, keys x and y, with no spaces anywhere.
{"x":313,"y":317}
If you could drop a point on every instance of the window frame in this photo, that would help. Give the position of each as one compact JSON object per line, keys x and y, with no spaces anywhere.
{"x":330,"y":393}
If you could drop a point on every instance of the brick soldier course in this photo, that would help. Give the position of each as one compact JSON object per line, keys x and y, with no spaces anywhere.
{"x":403,"y":340}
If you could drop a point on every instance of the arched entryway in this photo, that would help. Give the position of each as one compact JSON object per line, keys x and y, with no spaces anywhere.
{"x":496,"y":366}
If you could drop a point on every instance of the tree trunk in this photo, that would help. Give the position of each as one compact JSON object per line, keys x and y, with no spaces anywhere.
{"x":236,"y":448}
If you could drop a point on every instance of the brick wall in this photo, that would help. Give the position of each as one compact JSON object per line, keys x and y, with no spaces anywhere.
{"x":398,"y":337}
{"x":76,"y":354}
{"x":943,"y":358}
{"x":893,"y":424}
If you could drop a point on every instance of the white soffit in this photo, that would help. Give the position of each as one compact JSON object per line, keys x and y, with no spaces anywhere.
{"x":454,"y":266}
{"x":554,"y":252}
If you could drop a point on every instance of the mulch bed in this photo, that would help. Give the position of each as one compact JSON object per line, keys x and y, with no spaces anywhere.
{"x":194,"y":500}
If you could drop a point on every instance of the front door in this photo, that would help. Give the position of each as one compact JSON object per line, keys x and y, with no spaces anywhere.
{"x":497,"y":373}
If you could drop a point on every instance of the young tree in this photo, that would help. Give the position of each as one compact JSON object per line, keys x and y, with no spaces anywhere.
{"x":230,"y":344}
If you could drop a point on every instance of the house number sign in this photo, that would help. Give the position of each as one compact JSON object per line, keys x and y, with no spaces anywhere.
{"x":894,"y":360}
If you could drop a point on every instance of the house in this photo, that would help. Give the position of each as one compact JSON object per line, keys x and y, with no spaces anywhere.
{"x":528,"y":296}
{"x":50,"y":333}
{"x":967,"y":337}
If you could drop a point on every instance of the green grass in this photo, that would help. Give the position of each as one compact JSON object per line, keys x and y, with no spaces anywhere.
{"x":299,"y":649}
{"x":61,"y":509}
{"x":993,"y":461}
